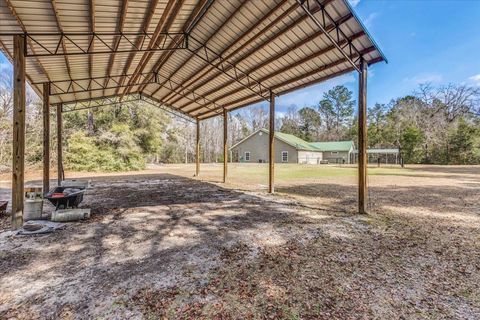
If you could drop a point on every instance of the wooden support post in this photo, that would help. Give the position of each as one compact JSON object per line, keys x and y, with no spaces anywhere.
{"x":362,"y":138}
{"x":18,"y":164}
{"x":271,"y":144}
{"x":46,"y":137}
{"x":225,"y":146}
{"x":197,"y":151}
{"x":59,"y":145}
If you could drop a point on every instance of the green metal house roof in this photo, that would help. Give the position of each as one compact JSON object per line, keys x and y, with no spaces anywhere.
{"x":301,"y":144}
{"x":333,"y":145}
{"x":296,"y":142}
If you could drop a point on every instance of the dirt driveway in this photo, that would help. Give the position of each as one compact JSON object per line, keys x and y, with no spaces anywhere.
{"x":164,"y":245}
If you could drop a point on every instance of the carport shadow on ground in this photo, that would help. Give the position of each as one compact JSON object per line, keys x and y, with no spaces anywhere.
{"x":140,"y":213}
{"x":146,"y":228}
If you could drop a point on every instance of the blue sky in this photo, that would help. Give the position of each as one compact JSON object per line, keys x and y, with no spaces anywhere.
{"x":425,"y":41}
{"x":434,"y":41}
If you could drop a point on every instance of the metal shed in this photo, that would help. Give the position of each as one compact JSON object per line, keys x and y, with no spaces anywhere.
{"x":200,"y":58}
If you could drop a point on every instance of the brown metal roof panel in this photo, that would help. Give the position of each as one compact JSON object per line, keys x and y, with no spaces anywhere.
{"x":214,"y":19}
{"x":263,"y":29}
{"x":261,"y":41}
{"x":334,"y":71}
{"x":6,"y":45}
{"x":178,"y":57}
{"x":249,"y":51}
{"x":36,"y":72}
{"x":40,"y":19}
{"x":209,"y":23}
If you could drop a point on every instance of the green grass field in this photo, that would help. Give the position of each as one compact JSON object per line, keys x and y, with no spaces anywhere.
{"x":286,"y":173}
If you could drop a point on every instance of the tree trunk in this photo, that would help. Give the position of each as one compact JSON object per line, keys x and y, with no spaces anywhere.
{"x":90,"y":129}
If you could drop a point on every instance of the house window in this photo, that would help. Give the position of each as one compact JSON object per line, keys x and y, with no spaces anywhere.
{"x":284,"y":156}
{"x":334,"y":152}
{"x":247,"y":156}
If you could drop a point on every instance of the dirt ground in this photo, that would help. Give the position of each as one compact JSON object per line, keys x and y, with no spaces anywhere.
{"x":162,"y":244}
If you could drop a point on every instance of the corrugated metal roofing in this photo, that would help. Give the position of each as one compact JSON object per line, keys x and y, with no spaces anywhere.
{"x":295,"y":141}
{"x":333,"y":145}
{"x":195,"y":56}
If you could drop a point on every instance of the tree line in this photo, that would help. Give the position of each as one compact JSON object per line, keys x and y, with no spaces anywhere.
{"x":434,"y":125}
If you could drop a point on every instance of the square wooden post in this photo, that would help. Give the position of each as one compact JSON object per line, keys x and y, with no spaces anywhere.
{"x":362,"y":138}
{"x":59,"y":145}
{"x":225,"y":145}
{"x":271,"y":144}
{"x":197,"y":151}
{"x":18,"y":156}
{"x":46,"y":137}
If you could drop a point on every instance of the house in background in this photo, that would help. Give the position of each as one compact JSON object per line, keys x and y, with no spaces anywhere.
{"x":290,"y":149}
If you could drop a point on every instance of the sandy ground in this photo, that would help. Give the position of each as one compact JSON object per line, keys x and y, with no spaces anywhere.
{"x":161,"y":244}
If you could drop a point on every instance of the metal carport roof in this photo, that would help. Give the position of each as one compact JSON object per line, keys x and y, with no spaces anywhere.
{"x":197,"y":57}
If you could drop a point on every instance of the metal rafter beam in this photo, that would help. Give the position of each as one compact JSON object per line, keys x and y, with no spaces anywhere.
{"x":189,"y":95}
{"x":264,"y":43}
{"x":61,"y":42}
{"x":97,"y":103}
{"x":156,"y":103}
{"x":199,"y":15}
{"x":169,"y":15}
{"x":81,"y":43}
{"x":141,"y":40}
{"x":326,"y":18}
{"x":290,"y":81}
{"x":116,"y":41}
{"x":94,"y":84}
{"x":199,"y":11}
{"x":281,"y":54}
{"x":315,"y":81}
{"x":91,"y":5}
{"x":230,"y":70}
{"x":160,"y":63}
{"x":208,"y":67}
{"x":284,"y":30}
{"x":22,"y":26}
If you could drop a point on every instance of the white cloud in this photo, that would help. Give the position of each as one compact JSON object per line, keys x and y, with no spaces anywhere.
{"x":475,"y":79}
{"x":354,"y":3}
{"x":426,"y":77}
{"x":369,"y":20}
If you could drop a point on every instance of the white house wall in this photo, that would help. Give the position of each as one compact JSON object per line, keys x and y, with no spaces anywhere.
{"x":309,"y":157}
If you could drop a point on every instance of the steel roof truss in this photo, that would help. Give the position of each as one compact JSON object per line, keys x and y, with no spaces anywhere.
{"x":322,"y":23}
{"x":98,"y":102}
{"x":229,"y":69}
{"x":102,"y":40}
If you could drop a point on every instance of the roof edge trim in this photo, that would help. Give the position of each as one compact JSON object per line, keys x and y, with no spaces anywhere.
{"x":368,"y":34}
